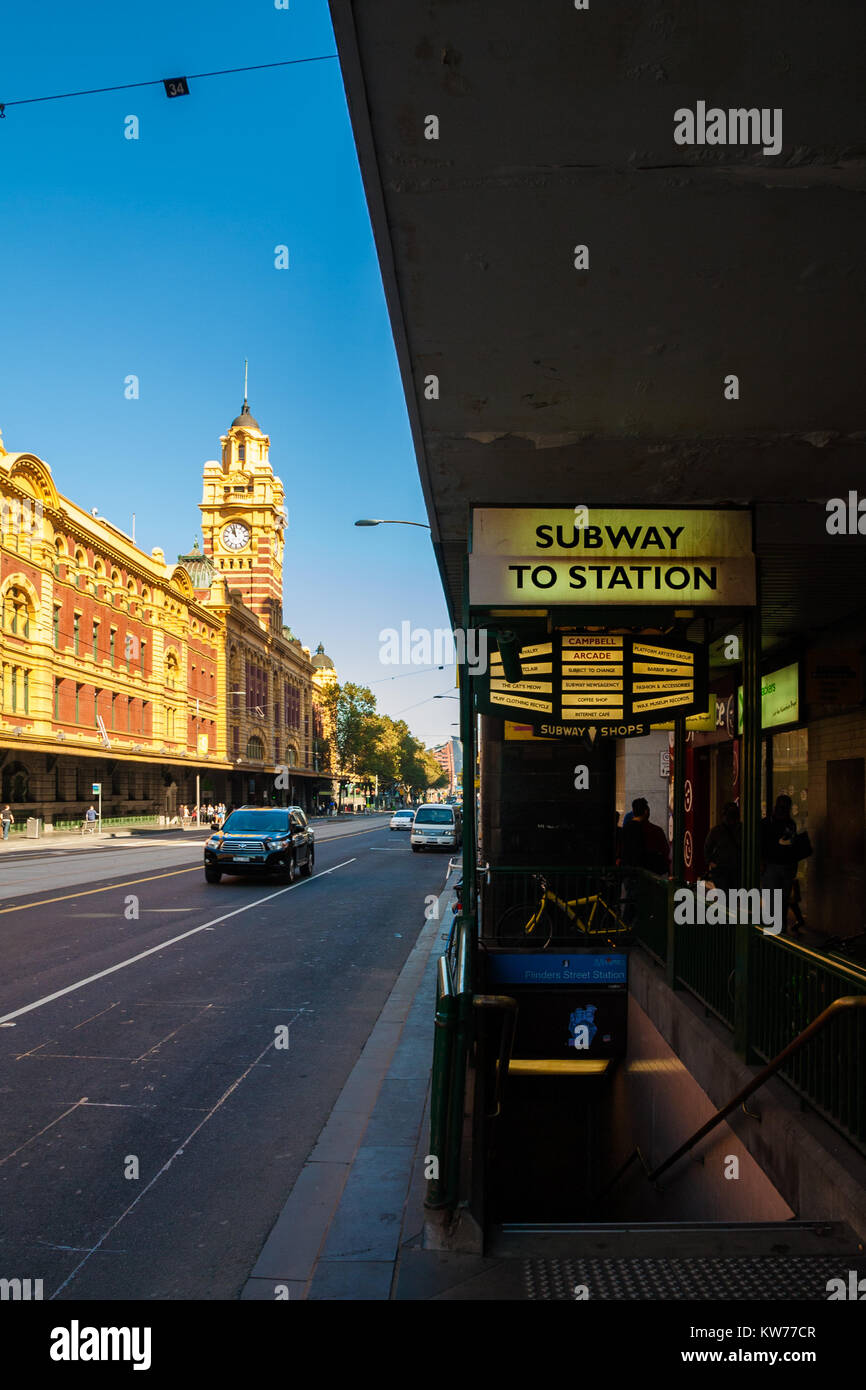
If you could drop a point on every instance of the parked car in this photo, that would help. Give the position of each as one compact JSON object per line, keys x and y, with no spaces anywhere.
{"x":402,"y":820}
{"x":436,"y":826}
{"x":261,"y":840}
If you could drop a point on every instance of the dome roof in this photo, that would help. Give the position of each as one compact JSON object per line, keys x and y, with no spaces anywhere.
{"x":245,"y":418}
{"x":198,"y":567}
{"x":321,"y":660}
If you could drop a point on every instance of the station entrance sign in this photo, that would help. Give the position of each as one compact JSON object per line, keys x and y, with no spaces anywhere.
{"x":610,"y":556}
{"x":611,"y":685}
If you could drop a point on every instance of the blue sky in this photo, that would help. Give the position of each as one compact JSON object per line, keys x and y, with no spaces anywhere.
{"x":155,"y":257}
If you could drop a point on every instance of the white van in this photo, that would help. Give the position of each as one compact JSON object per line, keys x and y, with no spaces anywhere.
{"x":436,"y":825}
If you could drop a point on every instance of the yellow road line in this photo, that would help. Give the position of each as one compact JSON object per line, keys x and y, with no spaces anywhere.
{"x":86,"y":892}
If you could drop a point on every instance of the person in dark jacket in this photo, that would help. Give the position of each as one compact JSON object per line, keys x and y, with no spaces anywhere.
{"x":722,"y":849}
{"x":644,"y":845}
{"x":778,"y":851}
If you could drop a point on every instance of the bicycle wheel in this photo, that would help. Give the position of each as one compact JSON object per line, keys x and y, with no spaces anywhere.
{"x":514,"y":921}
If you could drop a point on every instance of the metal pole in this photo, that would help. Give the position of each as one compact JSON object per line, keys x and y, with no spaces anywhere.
{"x":467,"y":736}
{"x":677,"y":848}
{"x":750,"y":774}
{"x":100,"y":808}
{"x":678,"y":845}
{"x":197,"y":801}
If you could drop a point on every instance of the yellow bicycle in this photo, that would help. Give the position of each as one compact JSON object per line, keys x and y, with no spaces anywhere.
{"x":590,"y":916}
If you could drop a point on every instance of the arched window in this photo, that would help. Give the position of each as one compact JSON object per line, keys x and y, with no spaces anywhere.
{"x":17,"y":611}
{"x":255,"y":748}
{"x":291,"y":757}
{"x":80,"y":564}
{"x":172,"y":669}
{"x":16,"y":784}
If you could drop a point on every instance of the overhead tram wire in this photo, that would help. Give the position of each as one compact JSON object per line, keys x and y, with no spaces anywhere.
{"x":423,"y":671}
{"x":160,"y":81}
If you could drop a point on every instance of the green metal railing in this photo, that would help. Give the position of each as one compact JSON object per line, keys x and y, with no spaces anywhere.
{"x":451,"y":1043}
{"x":106,"y":820}
{"x":790,"y":986}
{"x":705,"y":962}
{"x":787,"y":986}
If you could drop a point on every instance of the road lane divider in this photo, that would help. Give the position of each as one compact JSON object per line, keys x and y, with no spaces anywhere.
{"x":121,"y":965}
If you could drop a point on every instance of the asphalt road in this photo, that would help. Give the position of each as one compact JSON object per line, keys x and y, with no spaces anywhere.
{"x":168,"y":1066}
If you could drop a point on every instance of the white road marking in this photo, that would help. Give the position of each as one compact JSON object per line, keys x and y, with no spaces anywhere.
{"x":79,"y":984}
{"x":165,"y":1167}
{"x":44,"y":1130}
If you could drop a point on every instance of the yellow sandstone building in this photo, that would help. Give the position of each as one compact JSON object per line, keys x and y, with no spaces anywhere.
{"x":151,"y":678}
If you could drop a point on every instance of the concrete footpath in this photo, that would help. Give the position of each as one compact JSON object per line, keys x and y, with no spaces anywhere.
{"x":360,"y":1195}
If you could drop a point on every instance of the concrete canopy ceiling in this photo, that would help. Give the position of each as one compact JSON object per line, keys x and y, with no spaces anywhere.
{"x":606,"y":385}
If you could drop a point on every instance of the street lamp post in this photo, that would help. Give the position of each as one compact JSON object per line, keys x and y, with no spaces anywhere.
{"x":380,"y":521}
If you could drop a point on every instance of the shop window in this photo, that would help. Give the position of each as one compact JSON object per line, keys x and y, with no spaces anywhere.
{"x":789,"y":758}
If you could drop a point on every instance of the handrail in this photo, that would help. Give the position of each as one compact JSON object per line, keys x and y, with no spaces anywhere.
{"x":506,"y":1041}
{"x":848,"y":1001}
{"x":463,"y":994}
{"x":445,"y":1022}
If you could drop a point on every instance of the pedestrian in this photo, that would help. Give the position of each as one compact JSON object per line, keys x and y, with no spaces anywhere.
{"x":644,"y":845}
{"x":89,"y":820}
{"x":778,"y":850}
{"x":617,"y":839}
{"x":7,"y":819}
{"x":722,"y":849}
{"x":794,"y":906}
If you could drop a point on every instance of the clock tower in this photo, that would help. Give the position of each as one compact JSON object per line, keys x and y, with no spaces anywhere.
{"x":243,"y":519}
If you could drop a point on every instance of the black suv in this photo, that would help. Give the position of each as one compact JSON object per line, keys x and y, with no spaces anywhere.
{"x":261,"y":840}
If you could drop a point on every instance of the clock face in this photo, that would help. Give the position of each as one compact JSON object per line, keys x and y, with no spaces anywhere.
{"x":235,"y":536}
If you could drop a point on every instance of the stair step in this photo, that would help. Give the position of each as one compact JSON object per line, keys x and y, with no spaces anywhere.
{"x":681,"y":1240}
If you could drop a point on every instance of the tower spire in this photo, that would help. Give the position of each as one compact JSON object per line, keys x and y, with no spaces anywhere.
{"x":245,"y":387}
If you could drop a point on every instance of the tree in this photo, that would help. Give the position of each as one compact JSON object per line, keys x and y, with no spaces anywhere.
{"x":355,"y":728}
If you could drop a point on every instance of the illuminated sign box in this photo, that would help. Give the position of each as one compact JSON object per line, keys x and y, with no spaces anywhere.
{"x":610,"y":556}
{"x":780,"y":698}
{"x":614,"y":686}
